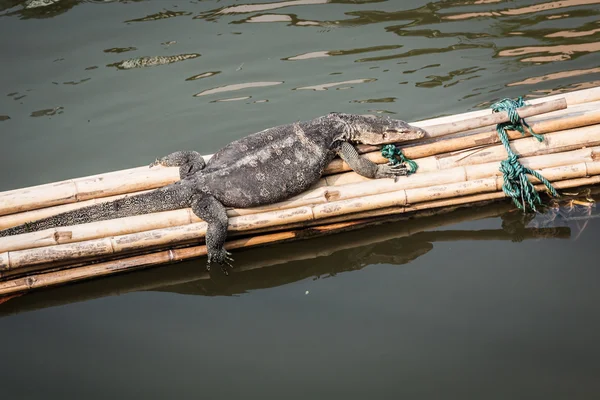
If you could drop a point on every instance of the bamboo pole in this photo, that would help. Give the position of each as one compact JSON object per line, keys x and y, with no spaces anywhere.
{"x":572,"y":98}
{"x":141,"y":178}
{"x":344,"y":187}
{"x":143,"y":261}
{"x":122,"y":244}
{"x":491,"y":119}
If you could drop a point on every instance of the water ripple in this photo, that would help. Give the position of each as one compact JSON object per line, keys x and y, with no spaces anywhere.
{"x":48,"y":112}
{"x":203,"y":75}
{"x":161,"y":15}
{"x":326,"y":86}
{"x":559,"y":53}
{"x":554,"y":76}
{"x":119,"y":49}
{"x":553,"y":5}
{"x":329,"y":53}
{"x":235,"y":87}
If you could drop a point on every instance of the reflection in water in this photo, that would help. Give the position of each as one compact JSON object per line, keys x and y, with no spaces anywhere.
{"x":76,"y":82}
{"x":249,"y":8}
{"x":161,"y":15}
{"x":4,"y":118}
{"x":396,"y":241}
{"x":39,"y":8}
{"x":270,"y":18}
{"x":39,"y":3}
{"x":141,"y":62}
{"x":15,"y":97}
{"x":237,"y":86}
{"x":48,"y":112}
{"x":326,"y":86}
{"x":319,"y":54}
{"x":382,"y":100}
{"x":119,"y":49}
{"x":524,"y":10}
{"x":434,"y":21}
{"x":562,"y":52}
{"x":557,"y":75}
{"x":563,"y":89}
{"x":231,"y":99}
{"x":425,"y":51}
{"x":203,"y":75}
{"x":439,"y":80}
{"x":573,"y":33}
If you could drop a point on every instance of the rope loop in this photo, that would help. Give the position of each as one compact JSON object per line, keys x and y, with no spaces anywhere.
{"x":516,"y":185}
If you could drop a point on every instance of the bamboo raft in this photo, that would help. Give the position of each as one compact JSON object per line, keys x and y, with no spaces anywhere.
{"x":458,"y":166}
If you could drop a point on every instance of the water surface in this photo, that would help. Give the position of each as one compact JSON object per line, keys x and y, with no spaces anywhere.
{"x":95,"y":86}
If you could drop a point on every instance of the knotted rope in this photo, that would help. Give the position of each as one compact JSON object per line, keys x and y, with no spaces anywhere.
{"x":516,"y":185}
{"x":392,"y":153}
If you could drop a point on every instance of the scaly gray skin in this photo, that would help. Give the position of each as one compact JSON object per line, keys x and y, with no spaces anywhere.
{"x":259,"y":169}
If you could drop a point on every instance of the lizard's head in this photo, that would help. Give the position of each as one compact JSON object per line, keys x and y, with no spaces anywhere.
{"x":371,"y":129}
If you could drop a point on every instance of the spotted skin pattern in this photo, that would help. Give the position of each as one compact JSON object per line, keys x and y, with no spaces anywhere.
{"x":263,"y":168}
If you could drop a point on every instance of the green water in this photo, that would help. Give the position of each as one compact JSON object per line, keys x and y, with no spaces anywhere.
{"x":463,"y":310}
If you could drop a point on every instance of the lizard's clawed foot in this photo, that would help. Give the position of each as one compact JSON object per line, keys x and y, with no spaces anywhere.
{"x":390,"y":170}
{"x":223,"y":258}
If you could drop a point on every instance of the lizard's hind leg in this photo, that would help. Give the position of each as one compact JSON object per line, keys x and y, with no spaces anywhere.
{"x":213,"y":212}
{"x":189,"y":162}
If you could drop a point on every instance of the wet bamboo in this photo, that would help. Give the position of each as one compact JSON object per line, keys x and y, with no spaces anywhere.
{"x":142,"y":178}
{"x":122,"y":244}
{"x":107,"y":268}
{"x":343,"y":187}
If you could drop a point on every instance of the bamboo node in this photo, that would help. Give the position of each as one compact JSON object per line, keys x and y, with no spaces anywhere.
{"x":332,"y":195}
{"x":30,"y":281}
{"x":59,"y":236}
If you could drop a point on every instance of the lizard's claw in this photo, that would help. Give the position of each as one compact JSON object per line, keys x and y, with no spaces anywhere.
{"x":223,"y":258}
{"x":391,"y":171}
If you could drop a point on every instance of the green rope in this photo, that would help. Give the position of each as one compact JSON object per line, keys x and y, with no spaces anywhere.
{"x":392,"y":153}
{"x":516,"y":185}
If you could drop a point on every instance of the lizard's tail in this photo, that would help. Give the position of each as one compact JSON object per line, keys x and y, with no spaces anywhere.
{"x":170,"y":197}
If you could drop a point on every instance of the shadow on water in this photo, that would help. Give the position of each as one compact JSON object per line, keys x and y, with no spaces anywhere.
{"x":389,"y":241}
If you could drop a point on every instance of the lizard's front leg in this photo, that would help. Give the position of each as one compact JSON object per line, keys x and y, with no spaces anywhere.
{"x":213,"y":212}
{"x":368,"y":168}
{"x":189,"y":162}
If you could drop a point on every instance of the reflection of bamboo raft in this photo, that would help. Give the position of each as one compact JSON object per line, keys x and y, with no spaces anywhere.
{"x":397,"y":241}
{"x":459,"y":170}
